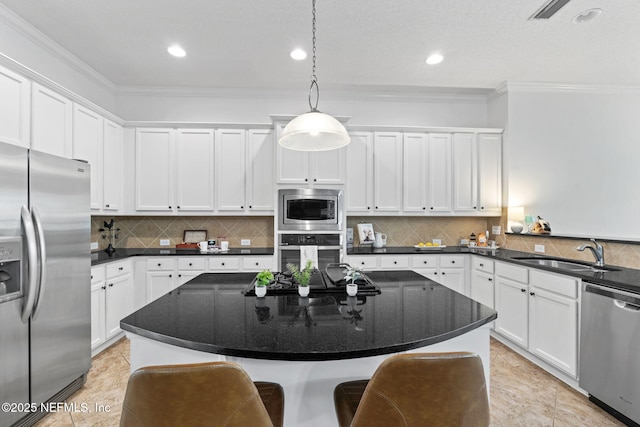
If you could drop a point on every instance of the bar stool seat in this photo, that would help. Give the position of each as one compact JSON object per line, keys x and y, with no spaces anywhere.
{"x":204,"y":394}
{"x":417,"y":389}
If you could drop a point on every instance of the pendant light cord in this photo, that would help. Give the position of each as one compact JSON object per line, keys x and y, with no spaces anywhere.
{"x":314,"y":78}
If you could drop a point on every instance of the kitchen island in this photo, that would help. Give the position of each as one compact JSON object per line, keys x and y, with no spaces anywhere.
{"x":308,"y":345}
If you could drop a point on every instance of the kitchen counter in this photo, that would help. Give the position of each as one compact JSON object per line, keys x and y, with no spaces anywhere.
{"x":210,"y":313}
{"x":625,"y":279}
{"x":102,"y":257}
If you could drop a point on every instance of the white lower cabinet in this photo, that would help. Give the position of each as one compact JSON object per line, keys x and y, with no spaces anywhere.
{"x":161,"y":276}
{"x":448,"y":270}
{"x":481,"y":283}
{"x":111,"y":299}
{"x":538,"y":311}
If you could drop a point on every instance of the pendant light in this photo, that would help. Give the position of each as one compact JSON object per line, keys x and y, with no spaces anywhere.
{"x":314,"y":131}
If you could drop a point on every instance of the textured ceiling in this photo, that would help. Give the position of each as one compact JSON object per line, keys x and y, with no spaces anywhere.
{"x":382,"y":43}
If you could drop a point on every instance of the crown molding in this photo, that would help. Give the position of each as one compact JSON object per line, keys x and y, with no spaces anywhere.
{"x":53,"y":48}
{"x":570,"y":88}
{"x":362,"y":93}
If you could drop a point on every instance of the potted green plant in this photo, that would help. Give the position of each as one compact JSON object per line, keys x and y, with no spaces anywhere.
{"x":303,"y":277}
{"x":352,"y":273}
{"x":262,"y":280}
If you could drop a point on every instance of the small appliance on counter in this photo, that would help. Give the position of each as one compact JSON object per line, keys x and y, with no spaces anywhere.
{"x":380,"y":240}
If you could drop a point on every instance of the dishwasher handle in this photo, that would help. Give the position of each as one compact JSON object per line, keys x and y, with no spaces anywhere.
{"x":622,"y":299}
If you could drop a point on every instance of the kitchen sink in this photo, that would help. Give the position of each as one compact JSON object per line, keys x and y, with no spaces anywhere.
{"x":563,"y":265}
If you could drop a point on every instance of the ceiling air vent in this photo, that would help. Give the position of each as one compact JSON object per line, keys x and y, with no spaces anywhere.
{"x":549,"y":9}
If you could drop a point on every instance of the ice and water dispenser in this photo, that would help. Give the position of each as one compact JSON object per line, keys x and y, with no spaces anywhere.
{"x":10,"y":270}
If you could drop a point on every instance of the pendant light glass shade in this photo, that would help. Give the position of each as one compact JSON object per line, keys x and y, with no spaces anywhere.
{"x":314,"y":131}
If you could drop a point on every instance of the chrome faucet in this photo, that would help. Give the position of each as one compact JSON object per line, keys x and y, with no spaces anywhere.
{"x":598,"y":252}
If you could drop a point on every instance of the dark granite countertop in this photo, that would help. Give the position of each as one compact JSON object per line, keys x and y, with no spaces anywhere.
{"x":102,"y":257}
{"x":211,"y":313}
{"x":621,"y":278}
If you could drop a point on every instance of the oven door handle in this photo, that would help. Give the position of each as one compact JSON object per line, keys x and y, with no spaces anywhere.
{"x":320,"y":248}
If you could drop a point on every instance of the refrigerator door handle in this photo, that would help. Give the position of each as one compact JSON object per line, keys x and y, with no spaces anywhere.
{"x":42,"y":261}
{"x":32,"y":263}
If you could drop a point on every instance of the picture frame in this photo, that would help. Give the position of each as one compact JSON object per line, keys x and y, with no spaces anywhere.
{"x":194,"y":236}
{"x":366,"y":234}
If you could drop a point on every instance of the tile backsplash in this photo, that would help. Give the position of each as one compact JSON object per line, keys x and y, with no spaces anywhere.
{"x":409,"y":231}
{"x":147,"y":231}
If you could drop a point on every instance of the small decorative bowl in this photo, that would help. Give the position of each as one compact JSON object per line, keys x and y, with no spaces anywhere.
{"x":516,"y":229}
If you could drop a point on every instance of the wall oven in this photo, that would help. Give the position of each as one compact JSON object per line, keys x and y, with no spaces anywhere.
{"x":329,"y":248}
{"x":310,"y":209}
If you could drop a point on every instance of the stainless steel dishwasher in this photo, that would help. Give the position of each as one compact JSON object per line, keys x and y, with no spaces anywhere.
{"x":610,"y":350}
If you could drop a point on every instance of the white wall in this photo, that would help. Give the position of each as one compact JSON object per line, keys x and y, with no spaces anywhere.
{"x":574,"y":158}
{"x":54,"y":63}
{"x":463,"y":111}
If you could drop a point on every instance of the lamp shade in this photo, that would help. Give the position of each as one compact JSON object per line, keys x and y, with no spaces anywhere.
{"x":314,"y":131}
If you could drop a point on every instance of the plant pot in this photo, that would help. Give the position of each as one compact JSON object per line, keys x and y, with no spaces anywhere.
{"x":352,"y":289}
{"x":261,"y":291}
{"x":303,"y":291}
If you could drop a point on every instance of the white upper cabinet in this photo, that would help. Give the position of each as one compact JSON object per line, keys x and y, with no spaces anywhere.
{"x":195,"y":170}
{"x":88,"y":130}
{"x":113,"y":166}
{"x":230,"y":169}
{"x":439,"y":173}
{"x":260,"y":178}
{"x":51,"y":122}
{"x":154,"y":170}
{"x":490,"y":173}
{"x":15,"y":101}
{"x":415,"y":184}
{"x":387,"y":171}
{"x":359,"y":173}
{"x":465,"y":175}
{"x":309,"y":167}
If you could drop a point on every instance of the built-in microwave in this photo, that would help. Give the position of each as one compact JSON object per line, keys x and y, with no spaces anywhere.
{"x":310,"y":209}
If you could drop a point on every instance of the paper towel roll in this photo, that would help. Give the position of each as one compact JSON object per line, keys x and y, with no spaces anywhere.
{"x":308,"y":253}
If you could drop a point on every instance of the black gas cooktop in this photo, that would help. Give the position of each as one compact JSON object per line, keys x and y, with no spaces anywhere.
{"x":329,"y":281}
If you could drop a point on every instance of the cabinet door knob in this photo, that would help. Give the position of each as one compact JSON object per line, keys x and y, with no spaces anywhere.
{"x":395,"y":262}
{"x":179,"y":275}
{"x":368,"y":207}
{"x":424,"y":208}
{"x":424,"y":262}
{"x":362,"y":262}
{"x":241,"y":207}
{"x":490,"y":279}
{"x":178,"y":207}
{"x":481,"y":265}
{"x":532,"y":293}
{"x":315,"y":180}
{"x":106,"y":206}
{"x":92,"y":277}
{"x":376,"y":207}
{"x":104,"y":287}
{"x":306,"y":180}
{"x":159,"y":265}
{"x":431,"y":207}
{"x":223,"y":263}
{"x":481,"y":207}
{"x":171,"y":275}
{"x":257,"y":263}
{"x":475,"y":207}
{"x":523,"y":290}
{"x":453,"y":262}
{"x":120,"y":268}
{"x":111,"y":285}
{"x":190,"y":264}
{"x":443,"y":273}
{"x":169,"y":207}
{"x":250,"y":207}
{"x":435,"y":272}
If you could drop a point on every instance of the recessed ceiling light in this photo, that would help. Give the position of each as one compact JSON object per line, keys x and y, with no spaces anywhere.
{"x":587,"y":15}
{"x":176,"y":51}
{"x":298,"y":54}
{"x":434,"y":59}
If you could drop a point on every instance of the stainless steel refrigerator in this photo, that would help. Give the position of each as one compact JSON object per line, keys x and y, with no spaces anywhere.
{"x":45,"y":269}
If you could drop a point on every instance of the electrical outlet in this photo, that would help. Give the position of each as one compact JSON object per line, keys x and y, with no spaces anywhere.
{"x":464,"y":242}
{"x":245,"y":242}
{"x":496,"y":230}
{"x":94,"y":245}
{"x":539,"y":248}
{"x":165,"y":242}
{"x":438,"y":241}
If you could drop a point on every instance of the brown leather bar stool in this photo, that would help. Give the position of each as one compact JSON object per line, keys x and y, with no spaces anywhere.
{"x":436,"y":389}
{"x":203,"y":394}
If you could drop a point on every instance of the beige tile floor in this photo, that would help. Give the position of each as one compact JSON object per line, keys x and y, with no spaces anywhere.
{"x":521,"y":394}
